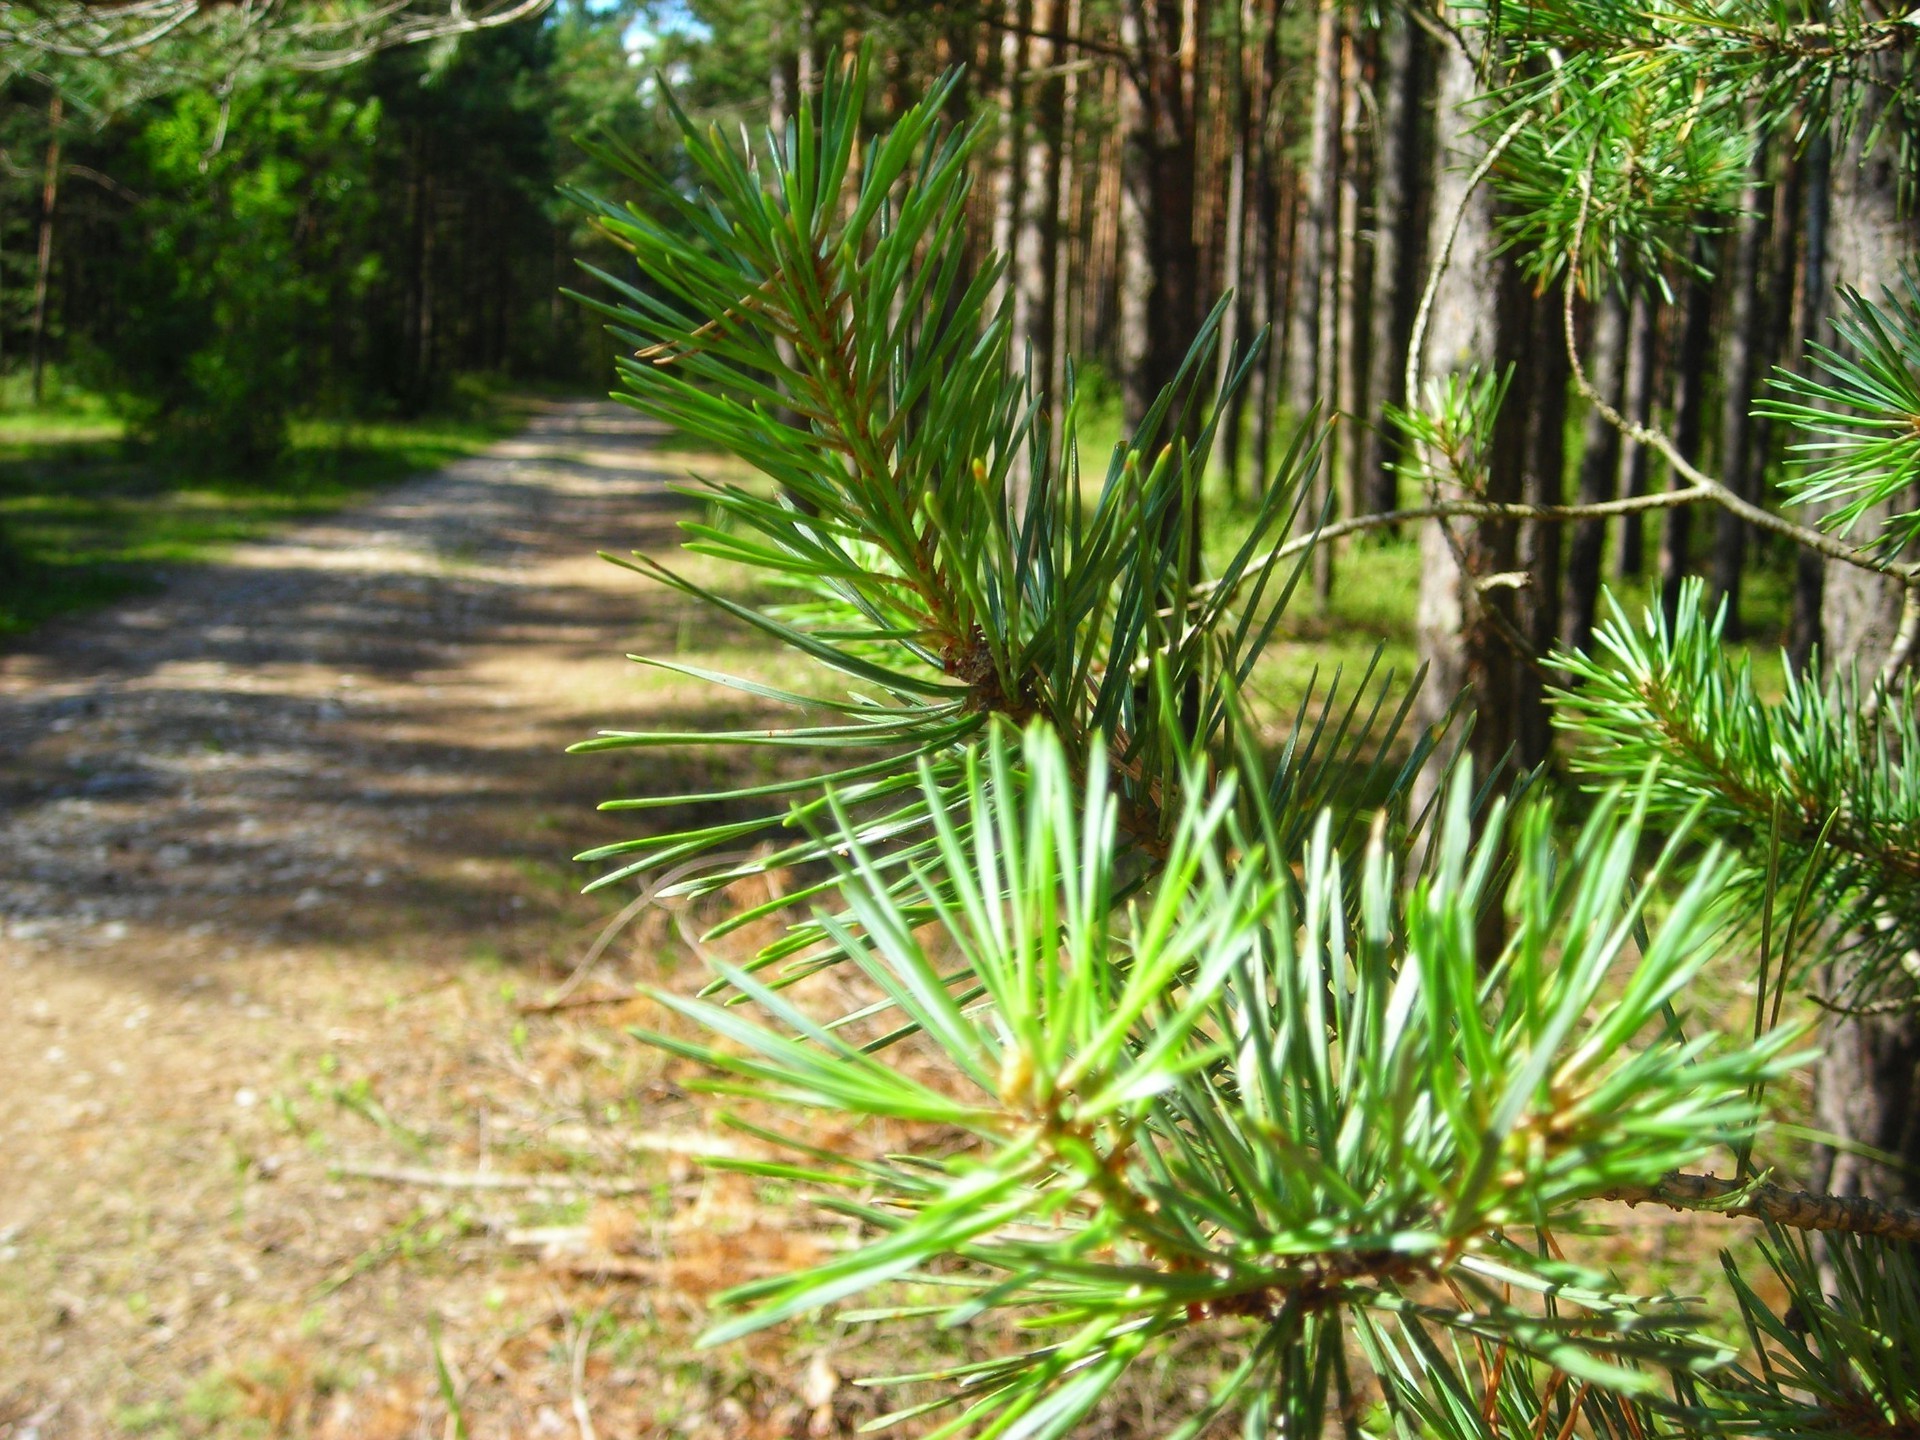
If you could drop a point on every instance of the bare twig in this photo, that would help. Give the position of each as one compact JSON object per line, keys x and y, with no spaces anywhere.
{"x":1900,"y":655}
{"x":1795,"y":1209}
{"x":1464,"y":509}
{"x":582,"y":1342}
{"x":488,"y":1180}
{"x":1424,"y":314}
{"x":1707,"y":487}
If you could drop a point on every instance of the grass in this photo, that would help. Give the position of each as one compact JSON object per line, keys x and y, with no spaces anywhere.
{"x":92,"y":517}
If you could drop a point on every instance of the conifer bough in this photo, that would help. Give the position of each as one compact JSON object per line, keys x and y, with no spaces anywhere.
{"x":1217,"y":1043}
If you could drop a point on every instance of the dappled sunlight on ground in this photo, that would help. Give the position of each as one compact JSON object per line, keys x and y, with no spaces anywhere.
{"x":285,"y":886}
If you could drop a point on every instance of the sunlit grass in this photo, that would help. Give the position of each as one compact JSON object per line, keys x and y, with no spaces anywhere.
{"x":92,"y":517}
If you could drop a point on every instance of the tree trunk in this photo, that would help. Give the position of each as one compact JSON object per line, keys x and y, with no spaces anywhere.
{"x":1233,"y":264}
{"x":1006,"y":153}
{"x":1867,"y":1086}
{"x":43,"y":272}
{"x":1599,"y":463}
{"x":1465,"y":632}
{"x":1351,"y":297}
{"x":1066,"y":230}
{"x":1740,"y":467}
{"x":1396,"y":251}
{"x":1636,"y":403}
{"x":1033,"y":247}
{"x":1308,"y":369}
{"x":1159,"y":264}
{"x":1689,"y":417}
{"x":1544,"y":483}
{"x":1809,"y":570}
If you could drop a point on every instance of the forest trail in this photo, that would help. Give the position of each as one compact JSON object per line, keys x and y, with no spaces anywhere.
{"x":283,"y":857}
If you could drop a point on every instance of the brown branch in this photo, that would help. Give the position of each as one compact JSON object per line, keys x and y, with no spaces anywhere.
{"x":1468,"y":510}
{"x":1794,"y":1209}
{"x":1659,"y":441}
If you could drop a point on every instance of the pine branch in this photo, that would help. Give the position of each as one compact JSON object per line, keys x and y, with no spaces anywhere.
{"x":1793,"y":1209}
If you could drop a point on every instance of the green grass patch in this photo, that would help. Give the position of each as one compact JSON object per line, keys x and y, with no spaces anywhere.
{"x":88,"y":517}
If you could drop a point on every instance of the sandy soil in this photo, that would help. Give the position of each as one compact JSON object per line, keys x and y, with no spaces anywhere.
{"x":283,"y":883}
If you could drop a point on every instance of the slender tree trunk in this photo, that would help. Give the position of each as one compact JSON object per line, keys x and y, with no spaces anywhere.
{"x":1350,"y":371}
{"x":1809,"y":570}
{"x":1159,"y":280}
{"x":1396,"y":251}
{"x":1599,"y":462}
{"x":1034,"y":236}
{"x":1308,"y":369}
{"x":1006,"y":151}
{"x":1740,"y":468}
{"x":1544,"y":483}
{"x":1636,"y":403}
{"x":1465,"y":632}
{"x":1233,"y":263}
{"x":43,"y":272}
{"x":1689,"y":424}
{"x":1066,"y":229}
{"x":1867,"y":1086}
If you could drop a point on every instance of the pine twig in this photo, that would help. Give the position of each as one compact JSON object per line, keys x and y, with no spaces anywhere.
{"x":1794,"y":1209}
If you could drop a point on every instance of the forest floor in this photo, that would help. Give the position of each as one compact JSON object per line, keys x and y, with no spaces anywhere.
{"x":284,"y":880}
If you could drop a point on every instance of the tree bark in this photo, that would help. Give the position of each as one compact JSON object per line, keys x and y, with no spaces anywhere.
{"x":1809,"y":570}
{"x":1396,"y":251}
{"x":1636,"y":403}
{"x":1006,"y":152}
{"x":1034,"y":235}
{"x":1236,"y":324}
{"x":1464,"y":630}
{"x":1350,"y":289}
{"x":43,"y":271}
{"x":1066,"y":231}
{"x":1599,"y":463}
{"x":1544,"y":483}
{"x":1309,"y":371}
{"x":1740,"y":467}
{"x":1159,"y":262}
{"x":1689,"y":426}
{"x":1867,"y":1086}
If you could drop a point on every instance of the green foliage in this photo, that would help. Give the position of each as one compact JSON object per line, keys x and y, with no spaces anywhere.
{"x":1173,"y":1048}
{"x":1237,"y":1100}
{"x":1822,"y":794}
{"x":1863,"y":417}
{"x":894,"y":439}
{"x":249,"y":203}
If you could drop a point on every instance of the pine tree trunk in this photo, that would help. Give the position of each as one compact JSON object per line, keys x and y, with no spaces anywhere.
{"x":1599,"y":463}
{"x":1740,"y":467}
{"x":1066,"y":229}
{"x":1006,"y":151}
{"x":1396,"y":251}
{"x":1809,"y":570}
{"x":1308,"y":368}
{"x":1636,"y":403}
{"x":1689,"y":425}
{"x":1351,"y":297}
{"x":1464,"y":632}
{"x":43,"y":269}
{"x":1033,"y":246}
{"x":1544,"y":483}
{"x":1233,"y":264}
{"x":1159,"y":262}
{"x":1867,"y":1086}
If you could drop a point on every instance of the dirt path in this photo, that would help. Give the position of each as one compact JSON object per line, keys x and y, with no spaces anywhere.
{"x":283,"y":854}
